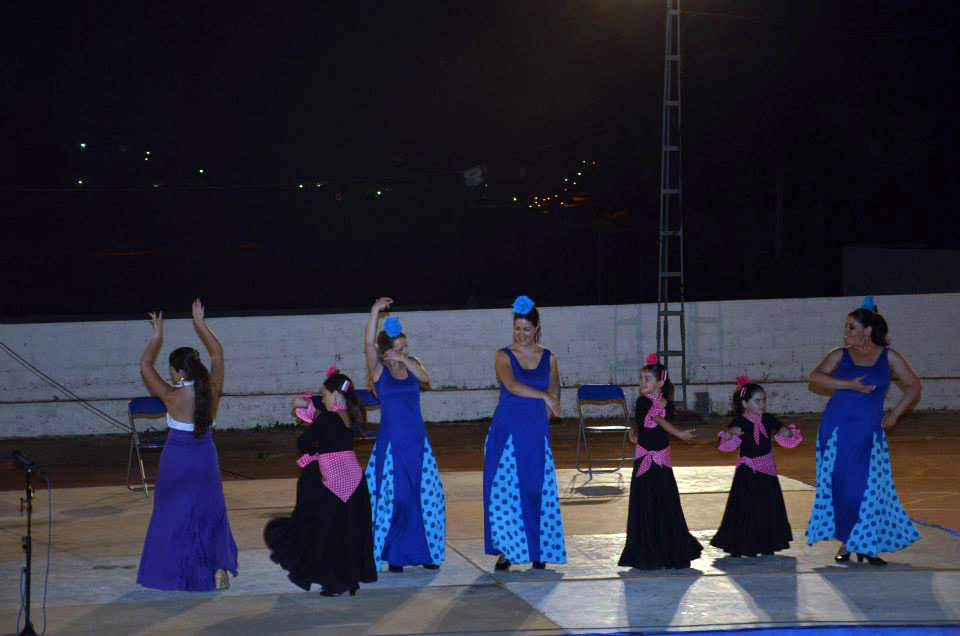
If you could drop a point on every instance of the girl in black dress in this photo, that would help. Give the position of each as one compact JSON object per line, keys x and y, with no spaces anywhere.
{"x":329,"y":537}
{"x":755,"y":519}
{"x":657,"y":534}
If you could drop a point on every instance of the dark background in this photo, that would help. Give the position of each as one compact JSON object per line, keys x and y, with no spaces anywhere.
{"x":377,"y":109}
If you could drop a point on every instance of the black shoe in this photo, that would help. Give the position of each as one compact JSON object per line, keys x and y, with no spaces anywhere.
{"x":396,"y":568}
{"x":842,"y":557}
{"x":353,"y":591}
{"x":502,"y":564}
{"x":431,"y":566}
{"x":539,"y":565}
{"x":871,"y":560}
{"x":329,"y":593}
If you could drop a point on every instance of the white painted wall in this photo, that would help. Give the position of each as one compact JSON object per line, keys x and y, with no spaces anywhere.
{"x":269,"y":359}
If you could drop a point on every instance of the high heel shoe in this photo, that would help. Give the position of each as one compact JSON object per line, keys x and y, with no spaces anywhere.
{"x":842,"y":557}
{"x":502,"y":564}
{"x":872,"y":560}
{"x":431,"y":566}
{"x":539,"y":565}
{"x":396,"y":569}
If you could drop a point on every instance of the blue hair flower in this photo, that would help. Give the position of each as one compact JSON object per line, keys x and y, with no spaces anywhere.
{"x":868,"y":303}
{"x":523,"y":305}
{"x":393,"y":327}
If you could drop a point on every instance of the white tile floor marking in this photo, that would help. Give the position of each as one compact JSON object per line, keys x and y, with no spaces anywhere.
{"x":113,"y":579}
{"x":720,"y":601}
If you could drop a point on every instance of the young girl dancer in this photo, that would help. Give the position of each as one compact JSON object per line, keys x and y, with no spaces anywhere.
{"x":329,"y":538}
{"x":189,"y":545}
{"x":755,"y":519}
{"x":657,"y":534}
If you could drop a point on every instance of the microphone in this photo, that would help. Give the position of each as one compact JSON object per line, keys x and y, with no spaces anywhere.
{"x":23,"y":459}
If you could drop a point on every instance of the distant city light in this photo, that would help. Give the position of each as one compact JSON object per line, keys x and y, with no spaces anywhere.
{"x":201,"y":171}
{"x":83,"y":146}
{"x":79,"y":181}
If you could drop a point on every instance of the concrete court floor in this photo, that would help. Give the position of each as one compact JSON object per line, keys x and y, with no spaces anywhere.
{"x":99,"y":529}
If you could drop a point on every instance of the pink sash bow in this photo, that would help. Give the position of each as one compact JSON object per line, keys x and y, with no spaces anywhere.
{"x":763,"y":464}
{"x":659,"y":457}
{"x":341,"y":471}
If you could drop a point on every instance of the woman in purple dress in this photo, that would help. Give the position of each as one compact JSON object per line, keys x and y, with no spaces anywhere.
{"x":189,"y":545}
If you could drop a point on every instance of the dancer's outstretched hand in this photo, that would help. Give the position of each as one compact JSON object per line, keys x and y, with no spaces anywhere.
{"x":687,"y":434}
{"x":382,"y":304}
{"x":198,"y":311}
{"x":156,"y":321}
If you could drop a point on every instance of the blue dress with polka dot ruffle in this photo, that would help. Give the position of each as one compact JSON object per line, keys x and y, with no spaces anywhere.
{"x":406,"y":493}
{"x":856,"y":501}
{"x":522,"y":519}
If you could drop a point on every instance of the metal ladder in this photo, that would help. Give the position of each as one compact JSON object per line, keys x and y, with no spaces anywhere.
{"x":670,"y":278}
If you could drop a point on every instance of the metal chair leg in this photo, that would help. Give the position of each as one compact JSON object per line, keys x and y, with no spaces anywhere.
{"x":135,"y":447}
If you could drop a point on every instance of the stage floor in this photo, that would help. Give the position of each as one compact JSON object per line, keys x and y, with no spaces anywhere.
{"x":98,"y":533}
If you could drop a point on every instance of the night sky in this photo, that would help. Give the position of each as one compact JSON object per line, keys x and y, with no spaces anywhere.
{"x":333,"y":141}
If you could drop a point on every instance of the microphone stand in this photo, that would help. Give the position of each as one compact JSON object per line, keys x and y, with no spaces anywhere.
{"x":27,"y":543}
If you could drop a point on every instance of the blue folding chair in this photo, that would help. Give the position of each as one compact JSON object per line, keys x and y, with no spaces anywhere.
{"x":142,"y":407}
{"x":368,"y":401}
{"x":601,"y":394}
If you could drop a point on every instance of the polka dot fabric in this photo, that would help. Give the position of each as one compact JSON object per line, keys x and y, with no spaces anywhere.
{"x":552,"y":547}
{"x":882,"y":524}
{"x":433,"y":504}
{"x":506,"y":517}
{"x":822,"y":524}
{"x":381,"y":501}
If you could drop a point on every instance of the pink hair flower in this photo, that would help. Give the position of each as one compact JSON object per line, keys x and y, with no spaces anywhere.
{"x":653,"y":359}
{"x":743,"y":380}
{"x":333,"y":369}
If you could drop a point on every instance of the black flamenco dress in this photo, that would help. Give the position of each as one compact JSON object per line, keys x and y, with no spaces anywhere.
{"x":657,"y":534}
{"x":328,"y":539}
{"x":755,"y":519}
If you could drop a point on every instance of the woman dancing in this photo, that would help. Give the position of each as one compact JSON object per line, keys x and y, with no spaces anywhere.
{"x":522,"y":520}
{"x":409,"y":512}
{"x":328,"y":539}
{"x":189,"y":545}
{"x":856,"y":502}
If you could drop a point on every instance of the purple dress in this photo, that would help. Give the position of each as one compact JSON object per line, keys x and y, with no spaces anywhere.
{"x":189,"y":537}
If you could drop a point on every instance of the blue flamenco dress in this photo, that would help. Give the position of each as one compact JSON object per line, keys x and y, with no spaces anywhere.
{"x":522,"y":519}
{"x":406,"y":493}
{"x":856,"y":502}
